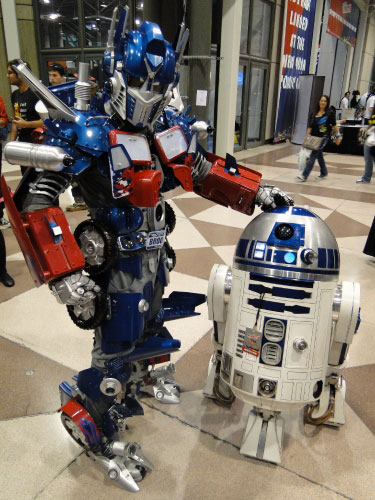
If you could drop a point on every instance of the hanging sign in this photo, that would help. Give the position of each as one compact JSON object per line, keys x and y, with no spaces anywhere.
{"x":343,"y":20}
{"x":298,"y":34}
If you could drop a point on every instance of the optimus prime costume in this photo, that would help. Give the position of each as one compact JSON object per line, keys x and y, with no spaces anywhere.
{"x":282,"y":326}
{"x":125,"y":147}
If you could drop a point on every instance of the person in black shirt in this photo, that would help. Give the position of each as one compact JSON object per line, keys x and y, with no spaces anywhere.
{"x":321,"y":124}
{"x":26,"y":119}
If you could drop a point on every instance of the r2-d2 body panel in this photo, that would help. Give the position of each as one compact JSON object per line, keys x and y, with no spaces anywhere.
{"x":279,"y":318}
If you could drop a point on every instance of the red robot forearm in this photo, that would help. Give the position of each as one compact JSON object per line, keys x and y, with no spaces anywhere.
{"x":49,"y":247}
{"x":235,"y":189}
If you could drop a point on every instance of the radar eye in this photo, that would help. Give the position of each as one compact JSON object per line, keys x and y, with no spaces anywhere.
{"x":284,"y":232}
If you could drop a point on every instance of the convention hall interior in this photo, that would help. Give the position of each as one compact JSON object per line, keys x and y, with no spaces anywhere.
{"x":238,"y":75}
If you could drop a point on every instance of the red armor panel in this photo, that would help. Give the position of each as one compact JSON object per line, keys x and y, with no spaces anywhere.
{"x":183,"y":174}
{"x":237,"y":191}
{"x":84,"y":422}
{"x":47,"y":244}
{"x":145,"y":188}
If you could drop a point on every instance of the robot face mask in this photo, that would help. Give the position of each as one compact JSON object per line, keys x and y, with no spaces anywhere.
{"x":143,"y":77}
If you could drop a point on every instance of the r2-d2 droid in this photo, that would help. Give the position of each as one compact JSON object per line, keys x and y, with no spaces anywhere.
{"x":282,"y":326}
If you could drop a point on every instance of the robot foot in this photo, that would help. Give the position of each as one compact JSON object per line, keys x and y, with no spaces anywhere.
{"x":166,"y":389}
{"x":330,"y":409}
{"x":263,"y":436}
{"x":124,"y":464}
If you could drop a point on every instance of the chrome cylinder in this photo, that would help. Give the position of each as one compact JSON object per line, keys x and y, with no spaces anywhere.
{"x":34,"y":155}
{"x":82,"y":90}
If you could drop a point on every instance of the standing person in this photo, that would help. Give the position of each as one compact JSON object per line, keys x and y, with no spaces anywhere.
{"x":3,"y":127}
{"x":5,"y":278}
{"x":321,"y":124}
{"x":56,"y":74}
{"x":354,"y":99}
{"x":344,"y":104}
{"x":369,"y":151}
{"x":366,"y":102}
{"x":370,"y":242}
{"x":23,"y":100}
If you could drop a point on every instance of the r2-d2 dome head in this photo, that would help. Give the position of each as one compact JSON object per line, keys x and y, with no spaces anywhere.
{"x":143,"y":70}
{"x":289,"y":242}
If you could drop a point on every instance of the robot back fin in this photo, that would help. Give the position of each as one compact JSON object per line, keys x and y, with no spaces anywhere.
{"x":111,"y":33}
{"x":181,"y":46}
{"x":56,"y":108}
{"x":120,"y":30}
{"x":179,"y":36}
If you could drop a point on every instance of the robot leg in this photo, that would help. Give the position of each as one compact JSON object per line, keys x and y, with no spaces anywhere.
{"x":217,"y":298}
{"x":93,"y":419}
{"x":346,"y":320}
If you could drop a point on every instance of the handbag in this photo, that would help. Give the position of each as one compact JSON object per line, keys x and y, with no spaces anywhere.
{"x":313,"y":142}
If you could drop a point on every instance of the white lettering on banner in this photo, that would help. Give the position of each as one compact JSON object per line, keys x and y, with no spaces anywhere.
{"x":300,"y":64}
{"x":290,"y":82}
{"x":298,"y":20}
{"x":303,"y":3}
{"x":288,"y":61}
{"x":342,"y":20}
{"x":300,"y":42}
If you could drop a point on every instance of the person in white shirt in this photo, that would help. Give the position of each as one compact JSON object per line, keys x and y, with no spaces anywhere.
{"x":367,"y":102}
{"x":345,"y":101}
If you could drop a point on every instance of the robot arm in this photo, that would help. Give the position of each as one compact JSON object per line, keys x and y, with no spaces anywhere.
{"x":234,"y":185}
{"x":75,"y":289}
{"x":49,"y":247}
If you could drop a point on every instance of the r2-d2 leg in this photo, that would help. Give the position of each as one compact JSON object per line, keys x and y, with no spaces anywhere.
{"x":345,"y":322}
{"x":219,"y":287}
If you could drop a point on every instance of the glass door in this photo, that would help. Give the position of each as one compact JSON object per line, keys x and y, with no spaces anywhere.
{"x":256,"y":104}
{"x":253,"y":73}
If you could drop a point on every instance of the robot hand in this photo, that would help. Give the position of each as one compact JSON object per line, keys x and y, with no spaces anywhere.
{"x":75,"y":289}
{"x":269,"y":197}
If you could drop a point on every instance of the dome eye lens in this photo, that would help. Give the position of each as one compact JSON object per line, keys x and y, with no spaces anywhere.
{"x":284,"y":232}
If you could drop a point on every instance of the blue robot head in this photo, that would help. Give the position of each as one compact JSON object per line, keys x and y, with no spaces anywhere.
{"x":143,"y":70}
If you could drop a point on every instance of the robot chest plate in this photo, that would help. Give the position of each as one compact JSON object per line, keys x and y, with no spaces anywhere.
{"x":128,"y":151}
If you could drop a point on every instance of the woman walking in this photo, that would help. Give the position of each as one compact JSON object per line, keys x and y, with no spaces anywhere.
{"x":320,"y":124}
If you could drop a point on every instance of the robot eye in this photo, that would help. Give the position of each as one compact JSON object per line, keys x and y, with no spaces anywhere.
{"x":157,"y":87}
{"x":134,"y":82}
{"x":284,"y":232}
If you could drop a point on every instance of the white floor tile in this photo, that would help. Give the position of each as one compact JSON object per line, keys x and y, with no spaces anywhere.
{"x":224,"y":216}
{"x":34,"y":450}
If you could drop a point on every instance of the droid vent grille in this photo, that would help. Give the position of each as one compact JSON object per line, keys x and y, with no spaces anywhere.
{"x":240,"y":339}
{"x":271,"y":354}
{"x":274,"y":330}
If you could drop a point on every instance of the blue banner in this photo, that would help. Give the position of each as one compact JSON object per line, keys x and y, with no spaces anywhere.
{"x":299,"y":29}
